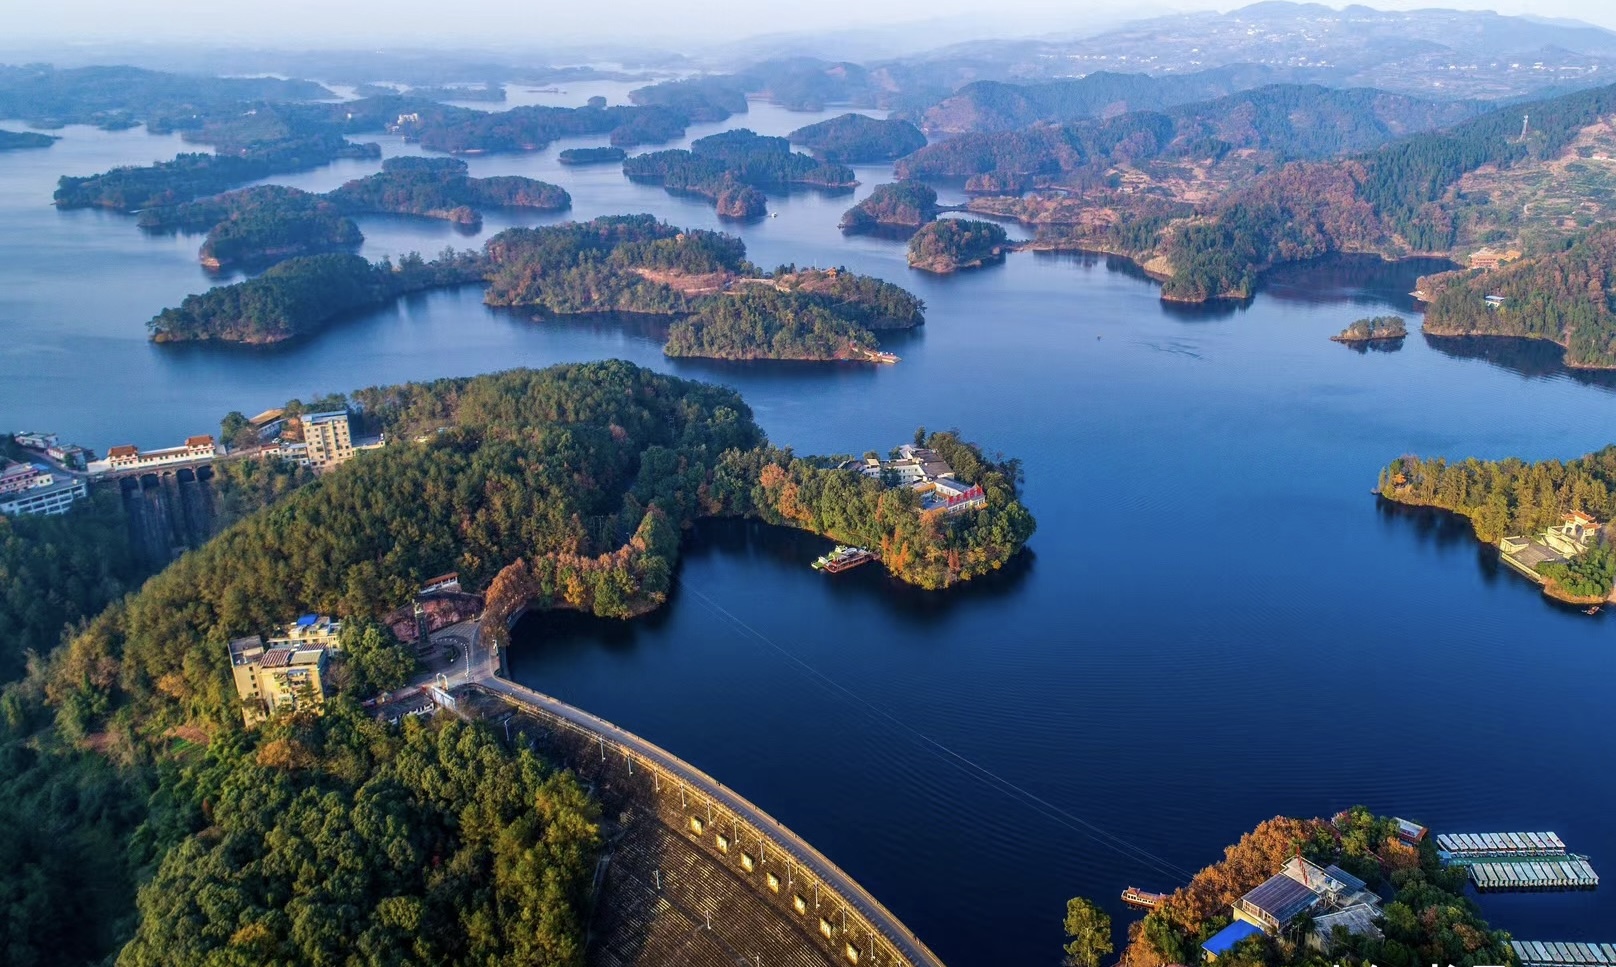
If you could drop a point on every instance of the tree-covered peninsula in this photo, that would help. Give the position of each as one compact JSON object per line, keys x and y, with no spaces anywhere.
{"x":17,"y":140}
{"x":859,"y":139}
{"x":258,"y":226}
{"x":760,"y":322}
{"x":1565,"y":297}
{"x":1513,"y":498}
{"x":730,"y":168}
{"x":951,"y":244}
{"x":1373,"y":329}
{"x":302,"y":295}
{"x":1424,"y":916}
{"x":897,"y":205}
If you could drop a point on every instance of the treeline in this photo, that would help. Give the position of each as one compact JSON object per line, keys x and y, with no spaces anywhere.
{"x":591,"y":156}
{"x":1507,"y":497}
{"x":899,"y":204}
{"x":302,"y":295}
{"x":1564,"y":297}
{"x":1372,"y":328}
{"x":925,"y":549}
{"x":1427,"y":918}
{"x":859,"y":139}
{"x":730,"y":167}
{"x":951,"y":244}
{"x":535,"y":127}
{"x":872,"y":303}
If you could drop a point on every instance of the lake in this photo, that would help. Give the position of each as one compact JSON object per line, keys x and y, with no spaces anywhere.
{"x":1215,"y":623}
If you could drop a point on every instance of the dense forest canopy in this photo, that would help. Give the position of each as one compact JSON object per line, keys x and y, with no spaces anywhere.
{"x":859,"y":139}
{"x":16,"y":140}
{"x":762,"y":323}
{"x":1507,"y":497}
{"x":441,"y":188}
{"x":1372,"y":328}
{"x":119,"y":97}
{"x":730,"y":167}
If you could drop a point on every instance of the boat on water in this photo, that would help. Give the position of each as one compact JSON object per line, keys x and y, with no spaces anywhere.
{"x":1591,"y":610}
{"x":841,"y":558}
{"x":1135,"y":897}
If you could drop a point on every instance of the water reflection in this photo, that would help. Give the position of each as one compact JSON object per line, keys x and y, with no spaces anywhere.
{"x":1531,"y":358}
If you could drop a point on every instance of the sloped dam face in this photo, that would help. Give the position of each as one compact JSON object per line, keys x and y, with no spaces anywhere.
{"x":168,"y":512}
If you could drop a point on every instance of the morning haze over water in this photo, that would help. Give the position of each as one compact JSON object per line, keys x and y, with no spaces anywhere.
{"x":1218,"y":619}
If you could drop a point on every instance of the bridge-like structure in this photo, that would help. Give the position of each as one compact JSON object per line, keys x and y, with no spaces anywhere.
{"x":701,"y":875}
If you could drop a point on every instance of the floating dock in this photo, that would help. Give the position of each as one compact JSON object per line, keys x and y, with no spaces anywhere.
{"x":1534,"y":953}
{"x":1465,"y":845}
{"x":1568,"y":872}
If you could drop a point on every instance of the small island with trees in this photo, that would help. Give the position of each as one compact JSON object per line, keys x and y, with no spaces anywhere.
{"x":1375,"y":329}
{"x":951,"y":244}
{"x":18,"y":140}
{"x":899,"y":205}
{"x":859,"y":139}
{"x":608,"y":154}
{"x":441,"y":188}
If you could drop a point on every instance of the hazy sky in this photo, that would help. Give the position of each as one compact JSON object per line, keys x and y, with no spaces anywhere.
{"x":539,"y":23}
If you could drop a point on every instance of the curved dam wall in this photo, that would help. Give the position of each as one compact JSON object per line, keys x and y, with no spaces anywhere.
{"x":698,"y":874}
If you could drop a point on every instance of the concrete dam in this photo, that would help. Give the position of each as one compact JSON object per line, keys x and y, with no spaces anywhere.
{"x":694,"y":873}
{"x":169,"y":511}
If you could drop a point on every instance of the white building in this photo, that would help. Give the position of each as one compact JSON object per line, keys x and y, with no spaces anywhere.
{"x":197,"y":449}
{"x":27,"y":489}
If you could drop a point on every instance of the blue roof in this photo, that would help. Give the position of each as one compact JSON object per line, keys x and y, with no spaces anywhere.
{"x":307,"y":620}
{"x":1220,"y":942}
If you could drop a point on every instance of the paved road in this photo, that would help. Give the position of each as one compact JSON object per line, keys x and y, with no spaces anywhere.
{"x":484,"y":673}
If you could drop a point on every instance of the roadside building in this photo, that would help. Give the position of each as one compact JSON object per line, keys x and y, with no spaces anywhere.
{"x":269,"y":424}
{"x":329,"y":439}
{"x":310,"y":631}
{"x":69,"y":455}
{"x":34,"y":440}
{"x":29,"y":489}
{"x":1491,"y":258}
{"x":277,"y":679}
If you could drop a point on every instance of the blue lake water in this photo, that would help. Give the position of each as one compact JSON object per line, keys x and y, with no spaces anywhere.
{"x":1215,"y":623}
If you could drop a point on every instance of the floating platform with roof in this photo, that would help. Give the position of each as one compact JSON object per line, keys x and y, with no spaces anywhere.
{"x":1536,"y":953}
{"x":1568,"y":872}
{"x":1464,"y":845}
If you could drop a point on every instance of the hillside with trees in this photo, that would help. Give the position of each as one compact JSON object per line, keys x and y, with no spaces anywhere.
{"x":1371,"y":329}
{"x":951,"y":244}
{"x":1511,"y":496}
{"x":120,"y":97}
{"x":859,"y":139}
{"x":897,"y":205}
{"x":591,"y":156}
{"x":1563,"y":297}
{"x":302,"y":295}
{"x":259,"y":226}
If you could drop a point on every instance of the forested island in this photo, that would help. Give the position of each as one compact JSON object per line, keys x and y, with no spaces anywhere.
{"x":859,"y":139}
{"x":591,"y":156}
{"x":303,"y":295}
{"x":731,"y":167}
{"x":897,"y":205}
{"x":636,"y":264}
{"x":18,"y":140}
{"x":1564,"y":297}
{"x":1513,"y":498}
{"x":116,"y":98}
{"x":1373,"y":329}
{"x":1425,"y":917}
{"x":627,"y":264}
{"x":951,"y":244}
{"x":441,"y":188}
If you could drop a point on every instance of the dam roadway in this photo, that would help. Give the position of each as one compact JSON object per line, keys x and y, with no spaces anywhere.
{"x":482,"y":670}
